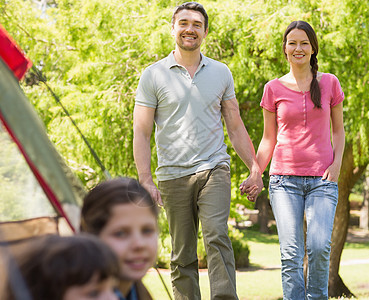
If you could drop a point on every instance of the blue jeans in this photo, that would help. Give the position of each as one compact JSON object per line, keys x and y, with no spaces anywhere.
{"x":290,"y":198}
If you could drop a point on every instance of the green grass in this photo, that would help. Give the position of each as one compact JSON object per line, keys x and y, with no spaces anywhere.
{"x":262,"y":281}
{"x":355,"y":251}
{"x":264,"y":249}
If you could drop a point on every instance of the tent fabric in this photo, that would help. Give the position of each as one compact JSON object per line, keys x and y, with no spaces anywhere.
{"x":21,"y":197}
{"x":13,"y":55}
{"x":14,"y":239}
{"x":12,"y":233}
{"x":62,"y":188}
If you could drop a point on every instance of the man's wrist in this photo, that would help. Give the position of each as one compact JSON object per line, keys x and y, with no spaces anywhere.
{"x":255,"y":169}
{"x":145,"y":178}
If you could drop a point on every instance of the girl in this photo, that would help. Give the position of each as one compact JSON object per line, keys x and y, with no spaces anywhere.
{"x":123,"y":215}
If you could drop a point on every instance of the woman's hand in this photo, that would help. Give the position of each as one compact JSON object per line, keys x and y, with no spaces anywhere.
{"x":332,"y":173}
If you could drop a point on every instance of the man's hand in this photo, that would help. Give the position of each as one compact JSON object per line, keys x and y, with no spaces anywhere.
{"x":150,"y":186}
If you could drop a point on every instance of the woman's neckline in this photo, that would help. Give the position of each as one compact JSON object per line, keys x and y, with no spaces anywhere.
{"x":299,"y":92}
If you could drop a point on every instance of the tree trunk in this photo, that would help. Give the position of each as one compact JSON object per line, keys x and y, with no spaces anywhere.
{"x":349,"y":175}
{"x":263,"y":206}
{"x":364,"y":212}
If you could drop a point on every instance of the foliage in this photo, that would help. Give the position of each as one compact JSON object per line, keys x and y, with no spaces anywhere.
{"x":356,"y":198}
{"x":93,"y":52}
{"x":240,"y":249}
{"x":91,"y":65}
{"x":165,"y":246}
{"x":94,"y":62}
{"x":358,"y":188}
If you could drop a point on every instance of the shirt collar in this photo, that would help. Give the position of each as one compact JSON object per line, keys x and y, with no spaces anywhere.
{"x":132,"y":295}
{"x":173,"y":63}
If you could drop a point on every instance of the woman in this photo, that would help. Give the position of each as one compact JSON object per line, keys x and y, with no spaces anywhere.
{"x":298,"y":109}
{"x":64,"y":268}
{"x":123,"y":215}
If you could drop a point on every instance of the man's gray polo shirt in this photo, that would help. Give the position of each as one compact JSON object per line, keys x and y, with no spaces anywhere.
{"x":189,"y":131}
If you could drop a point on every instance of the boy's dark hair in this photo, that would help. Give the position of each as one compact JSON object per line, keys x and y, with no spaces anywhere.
{"x":54,"y":263}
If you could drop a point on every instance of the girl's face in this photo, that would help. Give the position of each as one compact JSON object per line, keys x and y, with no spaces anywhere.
{"x":298,"y":48}
{"x":92,"y":290}
{"x":132,"y":233}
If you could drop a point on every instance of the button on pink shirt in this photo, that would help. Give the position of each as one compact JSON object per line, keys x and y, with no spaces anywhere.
{"x":303,"y":140}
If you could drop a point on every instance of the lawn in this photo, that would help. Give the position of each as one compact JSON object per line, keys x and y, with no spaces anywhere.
{"x":263,"y":280}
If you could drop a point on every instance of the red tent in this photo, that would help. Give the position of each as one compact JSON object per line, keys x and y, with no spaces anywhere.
{"x":12,"y":55}
{"x":39,"y":193}
{"x":32,"y":173}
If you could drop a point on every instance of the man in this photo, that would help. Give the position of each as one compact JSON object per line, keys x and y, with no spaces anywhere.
{"x":186,"y":94}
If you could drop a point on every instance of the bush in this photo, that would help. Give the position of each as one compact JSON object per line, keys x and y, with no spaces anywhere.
{"x":239,"y":244}
{"x":165,"y":247}
{"x":240,"y":249}
{"x":164,"y":252}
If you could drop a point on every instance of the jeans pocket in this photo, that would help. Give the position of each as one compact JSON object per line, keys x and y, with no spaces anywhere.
{"x":326,"y":181}
{"x":331,"y":187}
{"x":275,"y":181}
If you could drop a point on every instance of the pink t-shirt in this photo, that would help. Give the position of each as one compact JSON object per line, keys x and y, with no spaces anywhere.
{"x":303,"y":140}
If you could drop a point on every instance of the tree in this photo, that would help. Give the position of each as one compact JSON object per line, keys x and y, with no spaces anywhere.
{"x":364,"y":214}
{"x":93,"y":62}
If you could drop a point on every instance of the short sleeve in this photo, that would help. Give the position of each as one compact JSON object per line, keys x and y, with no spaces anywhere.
{"x":146,"y":93}
{"x":229,"y":91}
{"x":268,"y":99}
{"x":337,"y":93}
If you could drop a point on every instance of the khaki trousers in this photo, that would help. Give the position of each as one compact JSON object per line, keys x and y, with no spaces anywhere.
{"x":204,"y":197}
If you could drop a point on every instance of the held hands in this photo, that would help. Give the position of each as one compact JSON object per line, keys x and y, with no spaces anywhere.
{"x":252,"y":186}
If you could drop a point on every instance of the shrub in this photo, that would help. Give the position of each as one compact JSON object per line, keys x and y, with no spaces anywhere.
{"x":240,"y":249}
{"x":239,"y":244}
